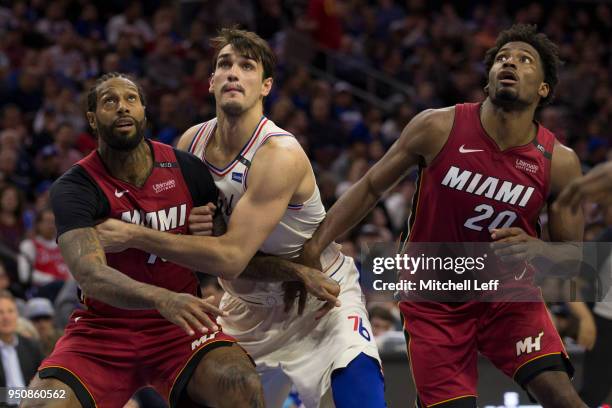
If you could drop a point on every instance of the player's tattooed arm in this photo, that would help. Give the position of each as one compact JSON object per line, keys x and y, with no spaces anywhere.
{"x":86,"y":260}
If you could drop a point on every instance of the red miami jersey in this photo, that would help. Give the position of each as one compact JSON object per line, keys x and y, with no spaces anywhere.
{"x":163,"y":203}
{"x":472,"y":186}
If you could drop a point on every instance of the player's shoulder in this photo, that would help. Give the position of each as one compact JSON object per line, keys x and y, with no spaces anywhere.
{"x":74,"y":176}
{"x":564,"y":155}
{"x":187,"y":138}
{"x":273,"y":138}
{"x":187,"y":159}
{"x":431,"y":123}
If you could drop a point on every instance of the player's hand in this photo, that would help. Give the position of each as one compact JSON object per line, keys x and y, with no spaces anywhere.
{"x":587,"y":332}
{"x":595,"y":186}
{"x":201,"y":219}
{"x":515,"y":245}
{"x":190,"y":312}
{"x":315,"y":283}
{"x":114,"y":235}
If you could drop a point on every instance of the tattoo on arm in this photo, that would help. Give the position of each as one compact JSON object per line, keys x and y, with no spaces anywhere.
{"x":86,"y":260}
{"x":268,"y":268}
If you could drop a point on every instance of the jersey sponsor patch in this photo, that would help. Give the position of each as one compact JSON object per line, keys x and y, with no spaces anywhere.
{"x":526,"y":166}
{"x":237,"y":177}
{"x":164,"y":186}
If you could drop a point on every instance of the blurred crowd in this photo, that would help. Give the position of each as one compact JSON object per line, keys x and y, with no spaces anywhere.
{"x":51,"y":52}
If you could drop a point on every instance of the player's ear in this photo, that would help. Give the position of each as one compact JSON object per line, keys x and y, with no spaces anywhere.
{"x":266,"y":86}
{"x":486,"y":89}
{"x":544,"y":90}
{"x":91,"y":119}
{"x":211,"y":82}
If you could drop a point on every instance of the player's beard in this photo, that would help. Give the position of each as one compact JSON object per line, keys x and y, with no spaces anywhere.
{"x":508,"y":99}
{"x":232,"y":109}
{"x":119,"y":141}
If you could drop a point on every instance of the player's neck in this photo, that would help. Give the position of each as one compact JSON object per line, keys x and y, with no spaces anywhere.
{"x":132,"y":167}
{"x":508,"y":128}
{"x":233,"y":132}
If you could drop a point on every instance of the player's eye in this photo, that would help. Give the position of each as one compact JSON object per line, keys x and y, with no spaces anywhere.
{"x":247,"y":66}
{"x":502,"y":58}
{"x":223,"y":64}
{"x":526,"y":60}
{"x":132,"y":98}
{"x":108,"y":101}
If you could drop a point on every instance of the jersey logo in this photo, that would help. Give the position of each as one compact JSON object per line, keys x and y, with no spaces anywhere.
{"x":120,"y":194}
{"x":529,"y":344}
{"x":462,"y":149}
{"x":521,"y":275}
{"x":489,"y":187}
{"x":237,"y":177}
{"x":166,"y":165}
{"x":162,"y":220}
{"x":166,"y":185}
{"x":526,"y":166}
{"x":197,"y":343}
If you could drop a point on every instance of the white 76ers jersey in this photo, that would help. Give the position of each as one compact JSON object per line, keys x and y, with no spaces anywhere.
{"x":296,"y":226}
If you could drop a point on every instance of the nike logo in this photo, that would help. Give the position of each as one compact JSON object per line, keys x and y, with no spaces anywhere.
{"x":120,"y":194}
{"x":462,"y":149}
{"x":522,"y":274}
{"x":76,"y":319}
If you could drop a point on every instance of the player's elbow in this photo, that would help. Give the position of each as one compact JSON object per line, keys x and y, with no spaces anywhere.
{"x":233,"y":263}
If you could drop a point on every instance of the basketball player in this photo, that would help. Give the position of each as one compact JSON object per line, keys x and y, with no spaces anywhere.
{"x":271,"y":203}
{"x":476,"y":161}
{"x":595,"y":186}
{"x":139,"y":307}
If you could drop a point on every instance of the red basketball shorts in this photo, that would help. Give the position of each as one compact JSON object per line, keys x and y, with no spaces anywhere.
{"x":445,"y":338}
{"x":105,"y":360}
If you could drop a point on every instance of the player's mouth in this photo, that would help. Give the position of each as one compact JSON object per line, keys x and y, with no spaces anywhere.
{"x":232,"y":88}
{"x":124,"y":123}
{"x":507,"y":77}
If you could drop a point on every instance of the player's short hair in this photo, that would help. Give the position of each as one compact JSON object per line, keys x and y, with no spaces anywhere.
{"x":548,"y":51}
{"x":248,"y":44}
{"x":92,"y":95}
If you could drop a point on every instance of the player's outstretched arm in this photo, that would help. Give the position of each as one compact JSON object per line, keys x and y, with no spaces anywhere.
{"x":420,"y":141}
{"x":253,"y":219}
{"x":86,"y":260}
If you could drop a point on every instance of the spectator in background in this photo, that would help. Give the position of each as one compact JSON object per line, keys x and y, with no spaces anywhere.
{"x":163,"y":67}
{"x":41,"y":313}
{"x":19,"y":356}
{"x":12,"y":229}
{"x":382,"y":320}
{"x":54,"y":23}
{"x":41,"y":263}
{"x":131,"y":24}
{"x":65,"y":140}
